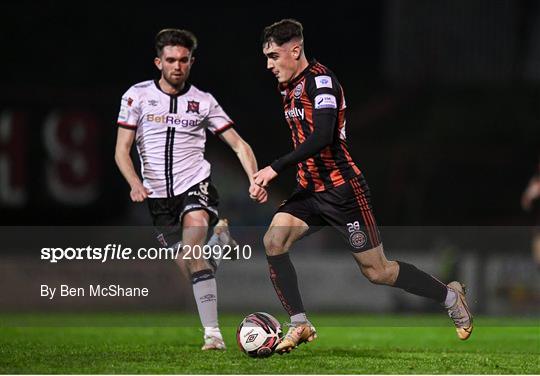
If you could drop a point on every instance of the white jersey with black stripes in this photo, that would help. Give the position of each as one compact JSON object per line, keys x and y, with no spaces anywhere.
{"x":171,"y":134}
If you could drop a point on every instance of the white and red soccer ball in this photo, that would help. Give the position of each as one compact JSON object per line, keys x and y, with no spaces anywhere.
{"x":258,"y":334}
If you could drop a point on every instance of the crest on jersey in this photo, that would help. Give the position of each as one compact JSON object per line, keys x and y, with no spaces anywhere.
{"x":298,"y":90}
{"x":192,"y":106}
{"x":130,"y":101}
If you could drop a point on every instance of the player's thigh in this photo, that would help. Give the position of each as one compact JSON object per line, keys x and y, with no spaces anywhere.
{"x":284,"y":230}
{"x":348,"y":209}
{"x":296,"y":217}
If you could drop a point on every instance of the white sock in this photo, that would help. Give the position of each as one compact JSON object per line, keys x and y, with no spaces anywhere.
{"x":451,"y":298}
{"x":205,"y":292}
{"x":214,"y":240}
{"x":299,"y":318}
{"x":213,"y":332}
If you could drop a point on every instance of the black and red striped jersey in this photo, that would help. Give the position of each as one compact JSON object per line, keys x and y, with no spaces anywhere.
{"x":316,"y":91}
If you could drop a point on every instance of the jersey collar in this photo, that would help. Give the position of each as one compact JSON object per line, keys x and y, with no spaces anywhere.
{"x":184,"y":90}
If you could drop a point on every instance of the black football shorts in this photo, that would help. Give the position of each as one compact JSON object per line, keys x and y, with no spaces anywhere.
{"x":347,"y":208}
{"x":167,"y":212}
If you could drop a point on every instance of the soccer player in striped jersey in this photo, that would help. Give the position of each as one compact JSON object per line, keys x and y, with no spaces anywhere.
{"x":331,"y":189}
{"x":168,"y":119}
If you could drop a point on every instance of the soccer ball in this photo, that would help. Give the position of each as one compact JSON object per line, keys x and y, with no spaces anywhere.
{"x":258,"y":334}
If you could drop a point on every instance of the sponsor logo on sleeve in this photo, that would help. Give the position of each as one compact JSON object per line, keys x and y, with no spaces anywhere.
{"x":325,"y":101}
{"x":323,"y":81}
{"x":123,"y":116}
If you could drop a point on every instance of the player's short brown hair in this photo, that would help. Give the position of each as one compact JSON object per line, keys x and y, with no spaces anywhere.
{"x":282,"y":31}
{"x":175,"y":37}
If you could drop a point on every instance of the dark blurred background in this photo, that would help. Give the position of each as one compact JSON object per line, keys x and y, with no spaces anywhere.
{"x":443,"y":104}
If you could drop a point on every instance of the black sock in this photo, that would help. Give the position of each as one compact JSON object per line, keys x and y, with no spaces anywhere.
{"x":417,"y":282}
{"x":202,"y":275}
{"x":283,"y":278}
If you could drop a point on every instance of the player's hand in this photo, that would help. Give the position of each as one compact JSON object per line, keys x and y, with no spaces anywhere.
{"x":263,"y":177}
{"x":139,"y":193}
{"x":258,"y":193}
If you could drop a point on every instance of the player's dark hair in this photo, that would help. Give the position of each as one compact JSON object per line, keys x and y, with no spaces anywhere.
{"x":282,"y":31}
{"x":175,"y":37}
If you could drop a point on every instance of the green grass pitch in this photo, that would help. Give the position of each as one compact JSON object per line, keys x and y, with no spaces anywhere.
{"x":168,"y":343}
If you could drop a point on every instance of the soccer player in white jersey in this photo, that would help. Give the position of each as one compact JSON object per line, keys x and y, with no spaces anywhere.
{"x":168,"y":119}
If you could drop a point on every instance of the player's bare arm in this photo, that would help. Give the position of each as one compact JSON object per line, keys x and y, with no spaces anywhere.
{"x":247,"y":159}
{"x":124,"y":142}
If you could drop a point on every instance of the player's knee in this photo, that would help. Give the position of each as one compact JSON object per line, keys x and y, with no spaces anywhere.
{"x":197,"y":219}
{"x":273,"y":244}
{"x":372,"y":274}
